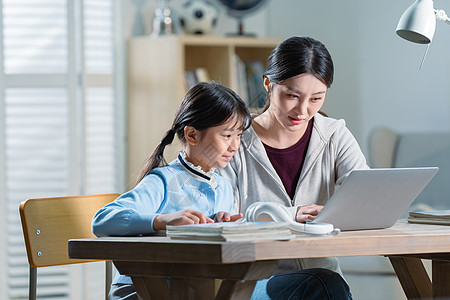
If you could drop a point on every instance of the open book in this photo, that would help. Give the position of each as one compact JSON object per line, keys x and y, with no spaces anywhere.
{"x":262,"y":221}
{"x":232,"y":231}
{"x":439,"y":217}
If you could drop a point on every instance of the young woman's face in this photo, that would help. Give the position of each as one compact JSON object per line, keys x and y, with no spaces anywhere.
{"x":293,"y":102}
{"x":216,"y":145}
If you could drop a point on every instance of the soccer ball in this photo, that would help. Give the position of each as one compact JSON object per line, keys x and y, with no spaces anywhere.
{"x":198,"y":17}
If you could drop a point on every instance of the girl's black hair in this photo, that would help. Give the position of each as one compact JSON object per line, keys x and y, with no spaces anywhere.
{"x":205,"y":105}
{"x":298,"y":55}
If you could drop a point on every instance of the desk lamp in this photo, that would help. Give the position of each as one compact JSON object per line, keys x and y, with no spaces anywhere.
{"x":418,"y":22}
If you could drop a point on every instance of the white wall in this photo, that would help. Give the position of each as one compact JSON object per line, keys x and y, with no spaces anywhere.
{"x":336,"y":24}
{"x":377,"y":77}
{"x":396,"y":93}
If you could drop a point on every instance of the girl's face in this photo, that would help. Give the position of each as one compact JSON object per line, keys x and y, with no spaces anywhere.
{"x":294,"y":101}
{"x":215,"y":146}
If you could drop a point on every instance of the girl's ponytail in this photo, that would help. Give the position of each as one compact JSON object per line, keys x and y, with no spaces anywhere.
{"x":157,"y":158}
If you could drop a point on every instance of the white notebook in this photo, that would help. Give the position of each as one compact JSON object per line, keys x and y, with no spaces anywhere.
{"x":231,"y":231}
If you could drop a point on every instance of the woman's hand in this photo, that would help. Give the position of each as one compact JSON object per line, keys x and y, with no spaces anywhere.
{"x":307,"y":213}
{"x":223,"y":216}
{"x":182,"y":217}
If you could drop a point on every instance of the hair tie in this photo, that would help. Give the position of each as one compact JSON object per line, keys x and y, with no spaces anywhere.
{"x":168,"y":137}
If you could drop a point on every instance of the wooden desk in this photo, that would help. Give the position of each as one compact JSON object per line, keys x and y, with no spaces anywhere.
{"x":148,"y":260}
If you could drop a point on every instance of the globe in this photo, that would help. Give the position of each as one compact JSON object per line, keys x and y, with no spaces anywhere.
{"x":241,"y":8}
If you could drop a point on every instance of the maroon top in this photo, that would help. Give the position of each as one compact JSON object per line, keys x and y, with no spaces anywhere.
{"x":288,"y":162}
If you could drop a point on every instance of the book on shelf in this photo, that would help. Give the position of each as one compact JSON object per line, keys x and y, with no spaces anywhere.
{"x":192,"y":77}
{"x":202,"y":75}
{"x":255,"y":83}
{"x":232,"y":231}
{"x":248,"y":81}
{"x":440,"y":217}
{"x":240,"y":79}
{"x":189,"y":79}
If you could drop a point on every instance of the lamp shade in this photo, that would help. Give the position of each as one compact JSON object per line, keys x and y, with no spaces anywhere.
{"x":418,"y":22}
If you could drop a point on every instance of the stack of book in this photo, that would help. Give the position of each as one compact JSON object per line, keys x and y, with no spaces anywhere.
{"x":192,"y":77}
{"x":232,"y":231}
{"x":247,"y":79}
{"x":440,"y":217}
{"x":255,"y":85}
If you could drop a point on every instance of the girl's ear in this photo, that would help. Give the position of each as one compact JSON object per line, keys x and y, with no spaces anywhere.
{"x":191,"y":135}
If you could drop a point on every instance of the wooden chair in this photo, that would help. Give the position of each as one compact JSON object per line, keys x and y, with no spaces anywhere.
{"x":48,"y":224}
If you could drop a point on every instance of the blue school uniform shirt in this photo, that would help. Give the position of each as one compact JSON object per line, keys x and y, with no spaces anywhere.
{"x":164,"y":190}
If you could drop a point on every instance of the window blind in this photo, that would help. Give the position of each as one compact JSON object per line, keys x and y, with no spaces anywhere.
{"x":100,"y":141}
{"x":59,"y":128}
{"x":37,"y":159}
{"x":35,"y":36}
{"x":98,"y":37}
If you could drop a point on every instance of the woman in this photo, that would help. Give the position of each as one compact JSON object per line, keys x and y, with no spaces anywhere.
{"x":292,"y":154}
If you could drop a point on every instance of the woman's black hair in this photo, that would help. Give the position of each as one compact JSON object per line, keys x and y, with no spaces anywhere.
{"x":205,"y":105}
{"x":298,"y":55}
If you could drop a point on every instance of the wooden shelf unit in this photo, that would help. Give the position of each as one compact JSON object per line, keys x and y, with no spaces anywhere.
{"x":156,"y":68}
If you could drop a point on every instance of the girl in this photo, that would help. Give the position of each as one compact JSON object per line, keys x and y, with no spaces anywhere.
{"x":292,"y":154}
{"x":209,"y":122}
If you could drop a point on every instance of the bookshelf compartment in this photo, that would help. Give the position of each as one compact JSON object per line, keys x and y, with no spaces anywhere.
{"x":253,"y":53}
{"x":215,"y":59}
{"x":156,"y":82}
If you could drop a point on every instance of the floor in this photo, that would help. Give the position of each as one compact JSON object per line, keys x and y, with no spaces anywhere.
{"x":375,"y":287}
{"x":372,"y":278}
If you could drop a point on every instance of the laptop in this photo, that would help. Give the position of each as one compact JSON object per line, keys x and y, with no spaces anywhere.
{"x":374,"y":198}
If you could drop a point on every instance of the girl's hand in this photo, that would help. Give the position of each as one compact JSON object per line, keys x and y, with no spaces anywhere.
{"x":223,"y":216}
{"x":307,"y":213}
{"x":182,"y":217}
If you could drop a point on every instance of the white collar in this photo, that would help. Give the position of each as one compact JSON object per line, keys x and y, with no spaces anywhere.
{"x":196,"y":171}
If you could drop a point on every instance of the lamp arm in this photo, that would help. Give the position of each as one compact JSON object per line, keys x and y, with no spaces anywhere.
{"x":441,"y":15}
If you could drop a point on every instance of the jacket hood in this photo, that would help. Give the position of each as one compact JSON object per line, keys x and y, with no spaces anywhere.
{"x":324,"y":128}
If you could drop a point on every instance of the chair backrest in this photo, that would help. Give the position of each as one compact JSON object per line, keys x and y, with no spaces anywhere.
{"x":382,"y":147}
{"x":49,"y":223}
{"x":428,"y":149}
